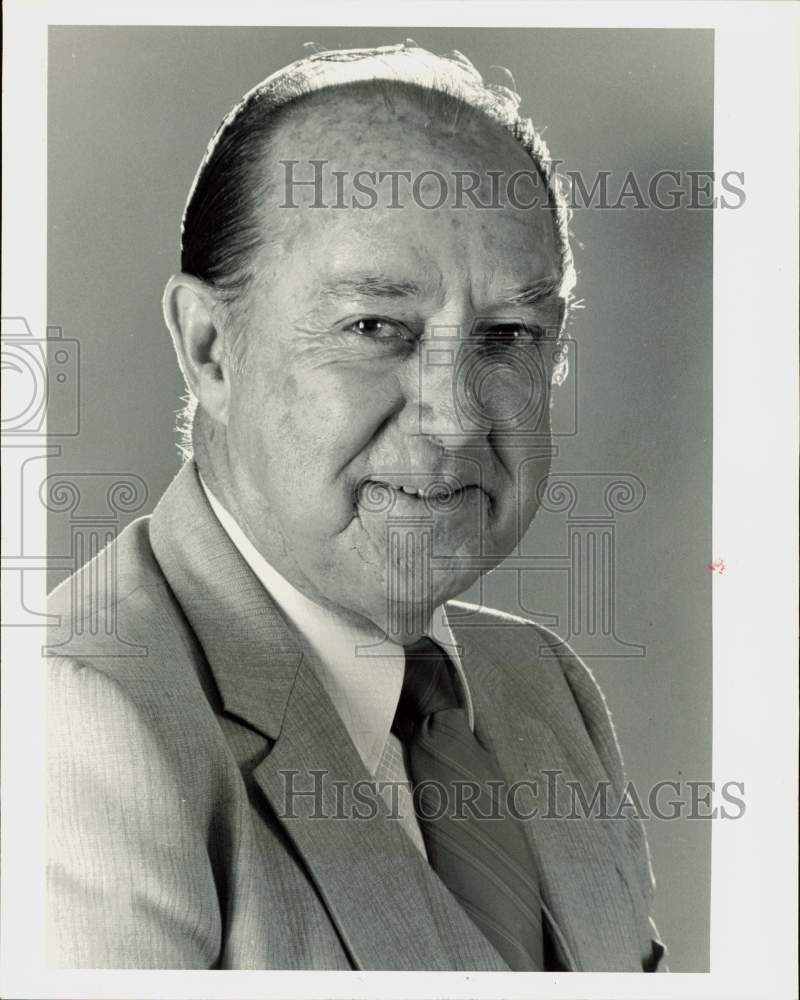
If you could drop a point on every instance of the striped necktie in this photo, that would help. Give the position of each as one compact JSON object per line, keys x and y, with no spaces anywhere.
{"x":484,"y":862}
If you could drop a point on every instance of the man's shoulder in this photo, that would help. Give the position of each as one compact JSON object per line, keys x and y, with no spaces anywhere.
{"x":481,"y":614}
{"x":542,"y":669}
{"x":119,"y":569}
{"x":487,"y":625}
{"x":499,"y":633}
{"x":117,"y":613}
{"x":121,"y":655}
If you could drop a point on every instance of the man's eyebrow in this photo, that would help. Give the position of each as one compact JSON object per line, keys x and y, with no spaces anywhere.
{"x":528,"y":295}
{"x":363,"y":284}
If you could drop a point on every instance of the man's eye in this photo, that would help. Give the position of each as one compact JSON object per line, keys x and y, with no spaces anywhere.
{"x":510,"y":334}
{"x":378,"y":328}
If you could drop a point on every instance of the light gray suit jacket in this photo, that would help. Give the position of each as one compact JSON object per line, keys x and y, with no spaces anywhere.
{"x":170,"y":841}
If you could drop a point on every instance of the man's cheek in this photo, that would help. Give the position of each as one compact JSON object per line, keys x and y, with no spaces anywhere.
{"x":530,"y":481}
{"x":331,"y":418}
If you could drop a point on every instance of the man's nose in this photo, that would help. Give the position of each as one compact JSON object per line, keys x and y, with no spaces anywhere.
{"x":434,"y":390}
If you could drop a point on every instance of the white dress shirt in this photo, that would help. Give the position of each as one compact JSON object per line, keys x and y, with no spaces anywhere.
{"x":359,"y":667}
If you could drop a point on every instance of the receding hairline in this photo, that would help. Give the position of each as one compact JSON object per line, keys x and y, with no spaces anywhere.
{"x":450,"y":111}
{"x":379,"y":107}
{"x":254,"y":124}
{"x":451,"y":114}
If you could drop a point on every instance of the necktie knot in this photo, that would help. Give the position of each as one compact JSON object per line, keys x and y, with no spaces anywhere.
{"x":428,"y":687}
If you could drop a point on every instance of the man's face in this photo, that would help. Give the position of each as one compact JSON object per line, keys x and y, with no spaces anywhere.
{"x":389,"y":423}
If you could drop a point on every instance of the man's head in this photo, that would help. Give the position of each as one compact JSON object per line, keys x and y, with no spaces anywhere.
{"x":371,"y":352}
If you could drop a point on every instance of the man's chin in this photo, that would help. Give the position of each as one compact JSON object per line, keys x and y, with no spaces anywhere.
{"x":402,"y":609}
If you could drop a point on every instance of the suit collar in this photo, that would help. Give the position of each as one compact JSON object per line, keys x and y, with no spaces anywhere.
{"x":252,"y":652}
{"x":251,"y":641}
{"x":365,"y":687}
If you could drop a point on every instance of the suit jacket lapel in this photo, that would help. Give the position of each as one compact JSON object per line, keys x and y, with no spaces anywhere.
{"x":520,"y":703}
{"x":389,"y":907}
{"x":252,"y":652}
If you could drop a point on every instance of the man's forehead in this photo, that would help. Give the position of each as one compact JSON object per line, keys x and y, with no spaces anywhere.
{"x":409,"y":250}
{"x":359,"y":163}
{"x":398,"y":283}
{"x":383,"y":183}
{"x":426,"y":279}
{"x":369,"y":125}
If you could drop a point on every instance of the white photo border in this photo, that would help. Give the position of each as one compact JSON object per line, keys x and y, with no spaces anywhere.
{"x":754,"y":863}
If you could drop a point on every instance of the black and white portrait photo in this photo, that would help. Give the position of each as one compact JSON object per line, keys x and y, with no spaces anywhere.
{"x":398,"y":429}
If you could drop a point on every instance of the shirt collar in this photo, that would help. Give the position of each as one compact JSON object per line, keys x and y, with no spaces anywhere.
{"x":359,"y":667}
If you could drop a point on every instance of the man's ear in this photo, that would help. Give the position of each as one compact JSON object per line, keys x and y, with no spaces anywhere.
{"x":189,"y":313}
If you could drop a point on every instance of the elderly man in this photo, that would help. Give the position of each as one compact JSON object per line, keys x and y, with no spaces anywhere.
{"x":322,"y":761}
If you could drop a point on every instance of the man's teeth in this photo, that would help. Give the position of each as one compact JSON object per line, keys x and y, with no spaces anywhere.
{"x":437,"y":491}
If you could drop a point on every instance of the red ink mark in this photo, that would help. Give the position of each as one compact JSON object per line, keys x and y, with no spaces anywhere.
{"x":718,"y":566}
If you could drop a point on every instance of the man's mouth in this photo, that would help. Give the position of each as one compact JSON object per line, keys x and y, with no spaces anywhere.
{"x":435,"y":492}
{"x":439,"y":492}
